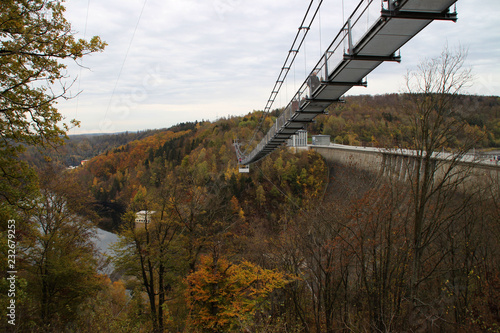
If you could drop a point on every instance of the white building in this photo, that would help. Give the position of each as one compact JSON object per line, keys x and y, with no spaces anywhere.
{"x":144,"y":216}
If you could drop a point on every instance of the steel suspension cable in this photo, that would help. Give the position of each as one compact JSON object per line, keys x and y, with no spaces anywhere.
{"x":124,"y":59}
{"x":289,"y":61}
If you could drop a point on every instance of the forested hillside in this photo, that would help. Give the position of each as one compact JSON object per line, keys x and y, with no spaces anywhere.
{"x":81,"y":147}
{"x":205,"y":213}
{"x":119,"y":176}
{"x":377,"y":121}
{"x":295,"y":245}
{"x":381,"y":121}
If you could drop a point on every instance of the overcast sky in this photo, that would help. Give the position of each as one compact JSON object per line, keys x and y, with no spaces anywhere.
{"x":171,"y":61}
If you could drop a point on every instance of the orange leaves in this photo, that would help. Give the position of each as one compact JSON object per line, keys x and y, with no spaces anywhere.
{"x":132,"y":154}
{"x":223,"y":296}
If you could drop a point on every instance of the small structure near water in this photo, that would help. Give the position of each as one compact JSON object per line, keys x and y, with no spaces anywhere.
{"x":144,"y":217}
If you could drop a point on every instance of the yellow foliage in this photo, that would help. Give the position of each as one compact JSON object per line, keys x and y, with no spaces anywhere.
{"x":230,"y":171}
{"x":222,"y":296}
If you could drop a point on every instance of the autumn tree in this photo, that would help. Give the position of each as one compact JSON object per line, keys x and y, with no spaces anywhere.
{"x":57,"y":253}
{"x":311,"y":248}
{"x":151,"y":252}
{"x":35,"y":39}
{"x":110,"y":310}
{"x":224,"y":297}
{"x":206,"y":207}
{"x":348,"y":249}
{"x":436,"y":117}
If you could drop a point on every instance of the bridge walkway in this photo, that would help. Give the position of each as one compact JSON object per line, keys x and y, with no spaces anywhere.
{"x":371,"y":40}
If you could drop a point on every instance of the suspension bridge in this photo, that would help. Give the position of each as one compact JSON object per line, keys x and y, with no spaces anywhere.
{"x":363,"y":43}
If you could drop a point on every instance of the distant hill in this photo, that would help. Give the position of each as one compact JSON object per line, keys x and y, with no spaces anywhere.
{"x":362,"y":121}
{"x":85,"y":146}
{"x":379,"y":121}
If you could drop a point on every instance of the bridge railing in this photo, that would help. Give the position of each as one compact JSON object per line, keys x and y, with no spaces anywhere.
{"x":366,"y":14}
{"x":359,"y":23}
{"x":364,"y":19}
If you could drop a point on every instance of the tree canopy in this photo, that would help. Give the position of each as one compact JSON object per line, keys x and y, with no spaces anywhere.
{"x":35,"y":38}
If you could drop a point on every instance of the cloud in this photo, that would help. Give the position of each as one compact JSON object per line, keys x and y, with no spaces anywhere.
{"x":192,"y":59}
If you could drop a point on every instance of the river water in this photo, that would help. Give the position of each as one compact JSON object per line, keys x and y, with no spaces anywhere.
{"x":103,"y":240}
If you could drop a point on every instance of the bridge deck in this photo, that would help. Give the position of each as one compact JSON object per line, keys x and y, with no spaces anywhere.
{"x":339,"y":69}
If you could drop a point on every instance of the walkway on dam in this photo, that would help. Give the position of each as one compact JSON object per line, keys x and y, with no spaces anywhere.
{"x":401,"y":163}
